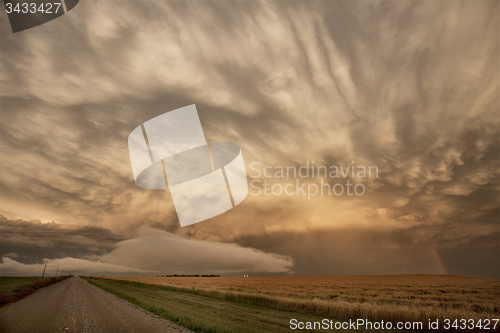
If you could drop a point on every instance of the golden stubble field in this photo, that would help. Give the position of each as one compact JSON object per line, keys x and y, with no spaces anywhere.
{"x":387,"y":297}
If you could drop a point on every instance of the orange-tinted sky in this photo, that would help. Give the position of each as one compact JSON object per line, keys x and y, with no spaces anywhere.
{"x":411,"y":87}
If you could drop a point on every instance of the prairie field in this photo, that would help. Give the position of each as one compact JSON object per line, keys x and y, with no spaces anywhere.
{"x":200,"y":313}
{"x":13,"y":289}
{"x":390,"y":297}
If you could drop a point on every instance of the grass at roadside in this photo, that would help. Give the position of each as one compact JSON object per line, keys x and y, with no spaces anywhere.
{"x":202,"y":313}
{"x":13,"y":289}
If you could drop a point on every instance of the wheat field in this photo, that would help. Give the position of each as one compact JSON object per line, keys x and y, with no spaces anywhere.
{"x":390,"y":297}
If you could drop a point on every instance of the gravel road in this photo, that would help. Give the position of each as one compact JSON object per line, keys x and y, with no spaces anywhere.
{"x":74,"y":305}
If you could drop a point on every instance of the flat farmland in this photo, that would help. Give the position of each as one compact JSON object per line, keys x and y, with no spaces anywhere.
{"x":390,"y":297}
{"x":13,"y":289}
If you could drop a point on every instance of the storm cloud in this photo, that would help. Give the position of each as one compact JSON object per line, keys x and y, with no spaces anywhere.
{"x":30,"y":241}
{"x":151,"y":251}
{"x":410,"y":87}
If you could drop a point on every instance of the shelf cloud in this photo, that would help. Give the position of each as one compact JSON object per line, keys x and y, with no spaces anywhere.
{"x":151,"y":251}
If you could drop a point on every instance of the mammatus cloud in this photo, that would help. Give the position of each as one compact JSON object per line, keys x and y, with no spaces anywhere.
{"x":412,"y":90}
{"x":152,"y":251}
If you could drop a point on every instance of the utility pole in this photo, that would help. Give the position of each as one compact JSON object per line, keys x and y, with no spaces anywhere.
{"x":44,"y":269}
{"x":57,"y":271}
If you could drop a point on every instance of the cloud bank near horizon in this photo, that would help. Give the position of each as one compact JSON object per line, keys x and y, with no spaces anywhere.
{"x":152,"y":251}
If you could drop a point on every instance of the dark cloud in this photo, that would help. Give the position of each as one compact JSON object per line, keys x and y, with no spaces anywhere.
{"x":30,"y":241}
{"x":411,"y":87}
{"x":380,"y":252}
{"x":83,"y":250}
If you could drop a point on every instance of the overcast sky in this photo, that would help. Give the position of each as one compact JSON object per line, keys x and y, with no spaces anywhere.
{"x":411,"y":87}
